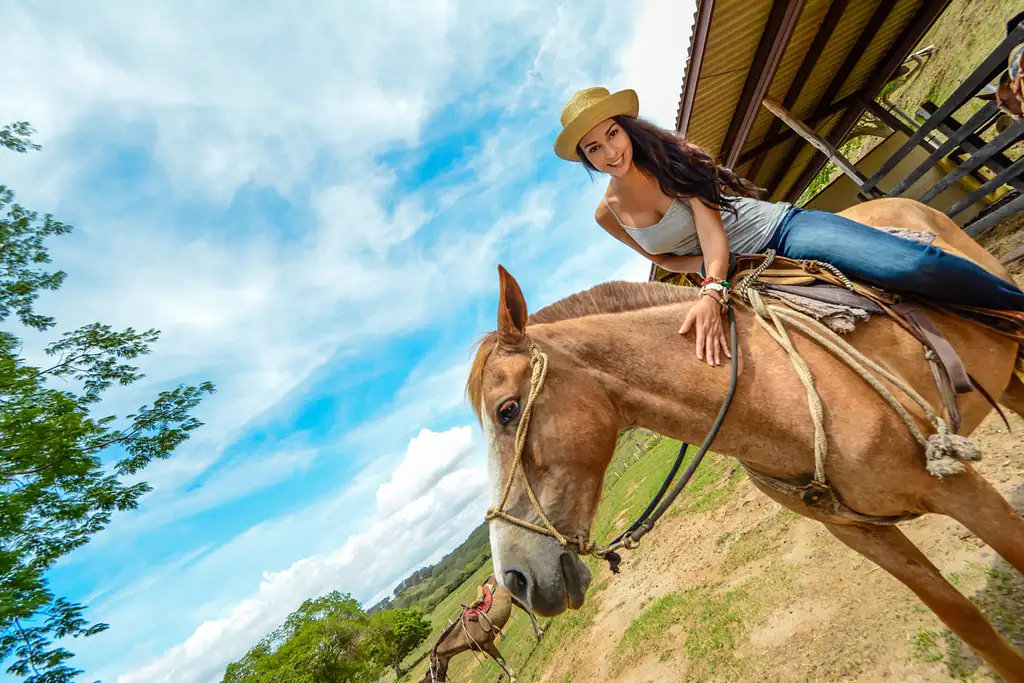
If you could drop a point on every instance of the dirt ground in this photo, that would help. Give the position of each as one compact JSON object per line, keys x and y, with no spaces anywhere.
{"x":748,"y":591}
{"x":813,"y":610}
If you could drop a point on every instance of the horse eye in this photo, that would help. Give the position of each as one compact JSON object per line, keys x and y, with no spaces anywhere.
{"x":508,"y":412}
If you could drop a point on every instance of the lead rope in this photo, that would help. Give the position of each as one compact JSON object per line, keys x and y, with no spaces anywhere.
{"x":944,"y":452}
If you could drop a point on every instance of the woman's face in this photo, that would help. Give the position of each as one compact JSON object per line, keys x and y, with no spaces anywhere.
{"x":608,"y":149}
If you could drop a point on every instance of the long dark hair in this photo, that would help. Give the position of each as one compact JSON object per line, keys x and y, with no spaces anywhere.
{"x":681,"y":169}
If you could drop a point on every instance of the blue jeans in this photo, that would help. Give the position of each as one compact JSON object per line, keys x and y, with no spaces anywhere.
{"x":893,"y":263}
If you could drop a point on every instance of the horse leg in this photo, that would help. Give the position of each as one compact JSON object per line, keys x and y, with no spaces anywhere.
{"x":893,"y":552}
{"x":438,"y":671}
{"x":1013,"y":397}
{"x":490,"y":648}
{"x":971,"y":500}
{"x":537,"y":630}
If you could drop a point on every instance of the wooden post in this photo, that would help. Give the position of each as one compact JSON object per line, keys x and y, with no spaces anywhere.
{"x":815,"y":140}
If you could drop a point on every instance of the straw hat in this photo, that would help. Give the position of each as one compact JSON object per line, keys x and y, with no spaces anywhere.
{"x":586,"y":109}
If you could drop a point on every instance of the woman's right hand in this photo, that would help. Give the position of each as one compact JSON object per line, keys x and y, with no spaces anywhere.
{"x":706,"y":317}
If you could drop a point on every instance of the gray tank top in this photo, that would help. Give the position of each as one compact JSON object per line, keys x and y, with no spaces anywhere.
{"x":748,"y":232}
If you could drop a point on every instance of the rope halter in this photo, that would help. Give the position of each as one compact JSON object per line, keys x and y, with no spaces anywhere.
{"x":539,"y":371}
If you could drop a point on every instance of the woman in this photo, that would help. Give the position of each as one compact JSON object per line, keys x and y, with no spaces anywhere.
{"x":668,"y":200}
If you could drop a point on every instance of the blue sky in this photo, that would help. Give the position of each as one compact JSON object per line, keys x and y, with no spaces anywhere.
{"x":310,"y":204}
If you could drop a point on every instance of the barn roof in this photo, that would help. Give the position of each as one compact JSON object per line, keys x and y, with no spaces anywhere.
{"x":821,"y":59}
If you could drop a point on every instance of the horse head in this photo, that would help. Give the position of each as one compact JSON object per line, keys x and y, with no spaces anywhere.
{"x":549,"y":440}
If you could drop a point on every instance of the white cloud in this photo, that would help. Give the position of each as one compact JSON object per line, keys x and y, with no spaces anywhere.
{"x":429,"y":458}
{"x":438,"y":512}
{"x":654,"y":62}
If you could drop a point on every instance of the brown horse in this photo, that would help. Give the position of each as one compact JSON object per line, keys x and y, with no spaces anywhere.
{"x":613,"y":358}
{"x":478,"y":635}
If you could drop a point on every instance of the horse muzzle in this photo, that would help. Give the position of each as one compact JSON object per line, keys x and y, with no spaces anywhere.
{"x":550,"y":588}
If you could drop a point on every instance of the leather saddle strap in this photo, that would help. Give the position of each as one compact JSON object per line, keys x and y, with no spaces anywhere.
{"x":946,"y":367}
{"x":933,"y":339}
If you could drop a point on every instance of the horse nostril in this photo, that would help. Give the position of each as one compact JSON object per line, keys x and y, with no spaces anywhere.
{"x":516,"y":583}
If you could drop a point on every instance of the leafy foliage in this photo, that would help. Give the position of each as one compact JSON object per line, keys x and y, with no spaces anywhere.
{"x":393,"y":634}
{"x":321,"y":642}
{"x":61,"y":467}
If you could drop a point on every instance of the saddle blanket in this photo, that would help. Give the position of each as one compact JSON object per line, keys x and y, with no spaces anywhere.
{"x":481,"y":606}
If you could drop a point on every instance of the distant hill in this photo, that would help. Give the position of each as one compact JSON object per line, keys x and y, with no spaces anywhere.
{"x":426,"y":587}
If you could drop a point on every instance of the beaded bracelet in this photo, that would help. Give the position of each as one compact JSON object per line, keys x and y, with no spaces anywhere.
{"x":721,"y":298}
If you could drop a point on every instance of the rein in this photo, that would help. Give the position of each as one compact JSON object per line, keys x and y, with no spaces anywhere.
{"x":630,"y":539}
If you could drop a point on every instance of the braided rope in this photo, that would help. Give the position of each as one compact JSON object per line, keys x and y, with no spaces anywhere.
{"x":539,"y":373}
{"x":838,"y":273}
{"x":803,"y":372}
{"x":939,"y":446}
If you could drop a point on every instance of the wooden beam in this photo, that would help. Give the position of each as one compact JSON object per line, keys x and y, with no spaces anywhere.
{"x":987,"y":222}
{"x":1014,"y":170}
{"x":951,"y":142}
{"x":782,"y":19}
{"x":1009,"y":136}
{"x":817,"y":47}
{"x":864,"y":41}
{"x":770,"y":143}
{"x":889,"y":119}
{"x":927,"y":13}
{"x":997,"y":163}
{"x":815,"y":140}
{"x":700,"y":39}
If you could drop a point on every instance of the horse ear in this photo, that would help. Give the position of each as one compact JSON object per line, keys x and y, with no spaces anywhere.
{"x":512,"y":313}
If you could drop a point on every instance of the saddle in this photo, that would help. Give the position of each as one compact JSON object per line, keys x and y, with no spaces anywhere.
{"x":474,"y":610}
{"x":795,"y":282}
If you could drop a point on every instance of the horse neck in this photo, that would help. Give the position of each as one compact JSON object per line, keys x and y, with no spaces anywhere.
{"x":653,"y":378}
{"x":648,"y":369}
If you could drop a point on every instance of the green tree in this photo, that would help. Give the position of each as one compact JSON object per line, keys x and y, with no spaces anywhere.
{"x":395,"y":633}
{"x":62,"y":468}
{"x":321,"y":642}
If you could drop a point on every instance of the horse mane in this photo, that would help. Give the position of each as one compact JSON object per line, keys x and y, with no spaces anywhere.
{"x":605,"y":298}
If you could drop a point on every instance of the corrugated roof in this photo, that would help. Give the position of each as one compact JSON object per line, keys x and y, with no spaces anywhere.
{"x":733,"y":32}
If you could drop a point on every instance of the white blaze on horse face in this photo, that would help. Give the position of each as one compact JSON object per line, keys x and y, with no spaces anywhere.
{"x":494,"y":474}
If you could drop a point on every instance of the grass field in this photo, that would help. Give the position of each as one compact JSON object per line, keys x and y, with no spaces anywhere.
{"x":622,"y":503}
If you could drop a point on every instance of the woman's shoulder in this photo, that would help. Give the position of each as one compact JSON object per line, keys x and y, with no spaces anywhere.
{"x":605,"y":211}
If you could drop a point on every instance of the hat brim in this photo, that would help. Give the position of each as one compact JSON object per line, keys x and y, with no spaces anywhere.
{"x":621,"y":103}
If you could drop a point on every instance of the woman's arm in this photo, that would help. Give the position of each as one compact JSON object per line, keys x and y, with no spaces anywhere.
{"x":713,"y":243}
{"x":680,"y":264}
{"x":706,"y":315}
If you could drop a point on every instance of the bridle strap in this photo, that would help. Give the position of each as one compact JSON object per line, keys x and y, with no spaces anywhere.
{"x":539,"y":373}
{"x":631,"y":537}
